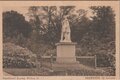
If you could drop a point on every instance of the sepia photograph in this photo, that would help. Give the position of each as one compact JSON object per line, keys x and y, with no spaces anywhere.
{"x":69,"y":40}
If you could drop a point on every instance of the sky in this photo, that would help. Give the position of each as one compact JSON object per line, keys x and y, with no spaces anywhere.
{"x":20,"y":9}
{"x":24,"y":9}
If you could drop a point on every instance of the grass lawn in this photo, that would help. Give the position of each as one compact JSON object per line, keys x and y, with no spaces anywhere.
{"x":83,"y":71}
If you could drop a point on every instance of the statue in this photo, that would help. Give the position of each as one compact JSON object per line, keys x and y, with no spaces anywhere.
{"x":65,"y":32}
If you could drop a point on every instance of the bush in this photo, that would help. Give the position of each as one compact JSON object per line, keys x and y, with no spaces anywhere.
{"x":15,"y":56}
{"x":103,"y":60}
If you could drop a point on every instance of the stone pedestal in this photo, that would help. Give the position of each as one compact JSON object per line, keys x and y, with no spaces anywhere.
{"x":66,"y":58}
{"x":66,"y":52}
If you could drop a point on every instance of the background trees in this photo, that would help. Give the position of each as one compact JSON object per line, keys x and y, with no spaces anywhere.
{"x":15,"y":27}
{"x":104,"y":22}
{"x":100,"y":38}
{"x":51,"y":17}
{"x":15,"y":24}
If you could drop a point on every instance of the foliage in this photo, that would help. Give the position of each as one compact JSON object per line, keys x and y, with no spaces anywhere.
{"x":87,"y":61}
{"x":103,"y":21}
{"x":15,"y":56}
{"x":79,"y":26}
{"x":50,"y":19}
{"x":100,"y":39}
{"x":15,"y":24}
{"x":15,"y":28}
{"x":42,"y":19}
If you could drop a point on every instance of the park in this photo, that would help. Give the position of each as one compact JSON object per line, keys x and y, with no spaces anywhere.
{"x":59,"y":41}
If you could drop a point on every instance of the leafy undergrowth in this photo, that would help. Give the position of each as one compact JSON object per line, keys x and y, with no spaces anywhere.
{"x":15,"y":56}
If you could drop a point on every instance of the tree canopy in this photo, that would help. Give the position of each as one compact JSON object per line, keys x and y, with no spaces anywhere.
{"x":15,"y":24}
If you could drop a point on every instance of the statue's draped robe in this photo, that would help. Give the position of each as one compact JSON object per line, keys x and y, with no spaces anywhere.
{"x":65,"y":35}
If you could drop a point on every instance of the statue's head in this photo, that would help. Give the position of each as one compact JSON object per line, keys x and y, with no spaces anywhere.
{"x":65,"y":17}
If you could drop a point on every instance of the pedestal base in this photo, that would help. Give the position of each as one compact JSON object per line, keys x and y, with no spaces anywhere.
{"x":66,"y":52}
{"x":66,"y":58}
{"x":66,"y":66}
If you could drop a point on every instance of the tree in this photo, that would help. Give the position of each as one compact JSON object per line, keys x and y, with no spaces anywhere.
{"x":101,"y":29}
{"x":104,"y":22}
{"x":49,"y":20}
{"x":14,"y":24}
{"x":79,"y":25}
{"x":36,"y":22}
{"x":100,"y":39}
